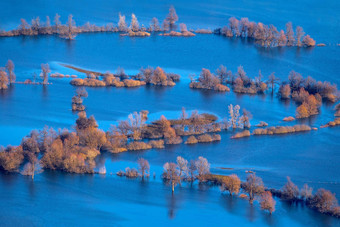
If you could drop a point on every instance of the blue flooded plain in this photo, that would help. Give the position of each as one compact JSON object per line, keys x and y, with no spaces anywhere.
{"x":65,"y":199}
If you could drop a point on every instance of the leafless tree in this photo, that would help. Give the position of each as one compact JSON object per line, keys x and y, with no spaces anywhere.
{"x":144,"y":167}
{"x":203,"y":168}
{"x":121,"y":23}
{"x":267,"y":202}
{"x":3,"y":79}
{"x":45,"y":70}
{"x":182,"y":165}
{"x":155,"y":25}
{"x":253,"y":186}
{"x":299,"y":34}
{"x":272,"y":80}
{"x":134,"y":26}
{"x":290,"y":34}
{"x":171,"y":17}
{"x":10,"y":70}
{"x":290,"y":191}
{"x":171,"y":174}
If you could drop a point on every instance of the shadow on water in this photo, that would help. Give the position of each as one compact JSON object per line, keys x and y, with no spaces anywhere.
{"x":172,"y":206}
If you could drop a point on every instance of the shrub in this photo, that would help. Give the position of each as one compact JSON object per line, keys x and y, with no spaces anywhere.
{"x":138,"y":145}
{"x":290,"y":118}
{"x":157,"y":144}
{"x":245,"y":133}
{"x":191,"y":140}
{"x":205,"y":138}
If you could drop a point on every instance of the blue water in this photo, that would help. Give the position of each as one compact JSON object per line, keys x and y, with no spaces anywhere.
{"x":57,"y":198}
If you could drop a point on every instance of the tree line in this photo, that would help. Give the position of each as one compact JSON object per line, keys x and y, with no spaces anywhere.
{"x":266,"y":35}
{"x":174,"y":173}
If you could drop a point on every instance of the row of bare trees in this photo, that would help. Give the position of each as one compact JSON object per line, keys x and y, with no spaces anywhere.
{"x":69,"y":30}
{"x":7,"y":75}
{"x":267,"y":35}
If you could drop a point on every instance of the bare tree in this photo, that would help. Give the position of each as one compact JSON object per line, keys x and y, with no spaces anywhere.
{"x":244,"y":23}
{"x":290,"y":191}
{"x":155,"y":25}
{"x":3,"y":79}
{"x":144,"y":167}
{"x":182,"y":165}
{"x":234,"y":114}
{"x":183,"y":27}
{"x":299,"y":34}
{"x":192,"y":170}
{"x":45,"y":70}
{"x":233,"y":24}
{"x":121,"y":23}
{"x":232,"y":184}
{"x":70,"y":33}
{"x":272,"y":80}
{"x":267,"y":202}
{"x":171,"y":174}
{"x":32,"y":167}
{"x":203,"y":168}
{"x":10,"y":70}
{"x":57,"y":22}
{"x":134,"y":26}
{"x":223,"y":74}
{"x":253,"y":186}
{"x":290,"y":34}
{"x":306,"y":192}
{"x":172,"y":17}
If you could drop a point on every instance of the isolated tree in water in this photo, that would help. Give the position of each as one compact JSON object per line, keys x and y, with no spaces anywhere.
{"x":172,"y":17}
{"x":144,"y":167}
{"x":10,"y":70}
{"x":45,"y":70}
{"x":267,"y":202}
{"x":253,"y":186}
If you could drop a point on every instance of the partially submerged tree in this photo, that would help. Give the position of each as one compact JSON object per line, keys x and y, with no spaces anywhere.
{"x":121,"y":23}
{"x":290,"y":191}
{"x":203,"y":168}
{"x":134,"y":26}
{"x":144,"y":167}
{"x":231,"y":184}
{"x":171,"y":18}
{"x":3,"y":79}
{"x":171,"y":175}
{"x":10,"y":70}
{"x":182,"y":165}
{"x":267,"y":202}
{"x":253,"y":186}
{"x":45,"y":70}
